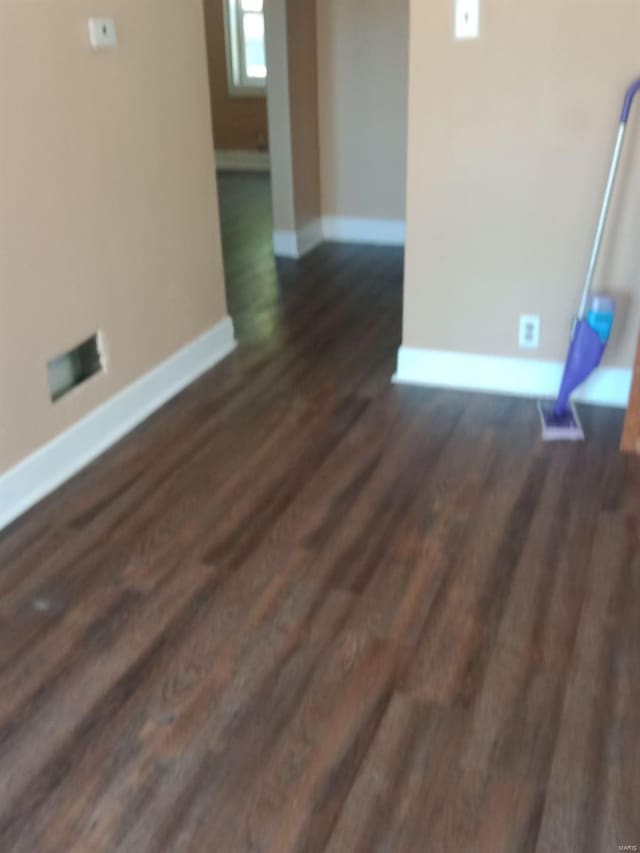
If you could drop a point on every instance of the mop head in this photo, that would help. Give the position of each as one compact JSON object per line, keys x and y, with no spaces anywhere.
{"x":566,"y":427}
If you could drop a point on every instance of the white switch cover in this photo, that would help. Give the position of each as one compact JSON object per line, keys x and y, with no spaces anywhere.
{"x":102,"y":33}
{"x":467,"y":19}
{"x":529,"y":333}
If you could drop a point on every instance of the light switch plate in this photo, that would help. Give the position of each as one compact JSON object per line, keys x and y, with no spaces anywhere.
{"x":102,"y":33}
{"x":467,"y":24}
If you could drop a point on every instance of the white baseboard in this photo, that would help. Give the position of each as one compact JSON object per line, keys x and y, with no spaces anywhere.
{"x":520,"y":377}
{"x":383,"y":232}
{"x":310,"y":236}
{"x":296,"y":244}
{"x":338,"y":229}
{"x":243,"y":161}
{"x":285,"y":244}
{"x":41,"y":473}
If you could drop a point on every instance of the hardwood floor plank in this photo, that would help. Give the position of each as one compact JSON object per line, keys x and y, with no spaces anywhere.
{"x":297,"y":794}
{"x":84,"y":700}
{"x":392,"y":781}
{"x":253,"y":716}
{"x":589,"y":750}
{"x":508,"y":748}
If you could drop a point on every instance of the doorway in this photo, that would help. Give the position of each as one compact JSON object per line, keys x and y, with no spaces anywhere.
{"x":331,"y":85}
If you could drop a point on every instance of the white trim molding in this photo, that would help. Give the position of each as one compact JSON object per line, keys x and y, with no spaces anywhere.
{"x":338,"y":229}
{"x":243,"y":161}
{"x":296,"y":244}
{"x":285,"y":244}
{"x":310,"y":237}
{"x":520,"y":377}
{"x":382,"y":232}
{"x":22,"y":486}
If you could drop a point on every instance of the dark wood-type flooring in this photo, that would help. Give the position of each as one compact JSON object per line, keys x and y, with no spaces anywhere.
{"x":301,"y":609}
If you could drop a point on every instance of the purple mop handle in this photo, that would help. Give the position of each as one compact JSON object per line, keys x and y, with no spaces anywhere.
{"x":632,"y":91}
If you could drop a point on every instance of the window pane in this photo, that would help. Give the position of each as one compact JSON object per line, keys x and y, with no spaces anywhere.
{"x":254,"y":52}
{"x":252,"y":5}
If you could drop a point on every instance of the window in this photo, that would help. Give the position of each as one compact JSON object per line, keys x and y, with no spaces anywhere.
{"x":246,"y":55}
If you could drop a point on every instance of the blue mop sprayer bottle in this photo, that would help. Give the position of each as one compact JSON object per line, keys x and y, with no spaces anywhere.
{"x":601,"y":311}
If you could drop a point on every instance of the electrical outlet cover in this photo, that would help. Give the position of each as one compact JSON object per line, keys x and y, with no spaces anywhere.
{"x":529,"y":331}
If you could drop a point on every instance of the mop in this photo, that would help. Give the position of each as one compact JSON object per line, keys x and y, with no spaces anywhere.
{"x":592,"y":327}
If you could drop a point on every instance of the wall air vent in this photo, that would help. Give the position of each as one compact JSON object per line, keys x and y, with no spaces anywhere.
{"x":71,"y":369}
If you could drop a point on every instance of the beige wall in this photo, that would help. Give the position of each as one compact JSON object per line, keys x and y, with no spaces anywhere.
{"x":293,"y":113}
{"x":303,"y":98}
{"x":239,"y":122}
{"x":509,"y":146}
{"x":279,"y":115}
{"x":108,"y":210}
{"x":363,"y":61}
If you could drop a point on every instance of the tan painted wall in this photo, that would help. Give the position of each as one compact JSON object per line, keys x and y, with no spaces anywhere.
{"x":509,"y":146}
{"x":279,"y":115}
{"x":293,"y":113}
{"x":108,"y":208}
{"x":238,"y":122}
{"x":363,"y":67}
{"x":303,"y":97}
